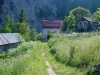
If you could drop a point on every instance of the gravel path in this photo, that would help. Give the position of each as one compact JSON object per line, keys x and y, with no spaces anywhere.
{"x":49,"y":70}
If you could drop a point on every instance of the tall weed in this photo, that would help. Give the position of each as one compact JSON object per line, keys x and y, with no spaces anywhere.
{"x":19,"y":59}
{"x":81,"y":50}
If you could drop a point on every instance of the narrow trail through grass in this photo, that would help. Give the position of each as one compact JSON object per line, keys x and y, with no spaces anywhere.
{"x":49,"y":70}
{"x":59,"y":68}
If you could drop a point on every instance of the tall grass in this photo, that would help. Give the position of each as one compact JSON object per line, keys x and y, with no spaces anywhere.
{"x":22,"y":59}
{"x":59,"y":68}
{"x":80,"y":50}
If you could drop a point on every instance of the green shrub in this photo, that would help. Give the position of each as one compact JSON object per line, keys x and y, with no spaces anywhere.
{"x":39,"y":37}
{"x":53,"y":51}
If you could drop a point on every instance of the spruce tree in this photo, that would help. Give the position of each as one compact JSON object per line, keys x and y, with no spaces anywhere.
{"x":22,"y":26}
{"x":22,"y":17}
{"x":8,"y":25}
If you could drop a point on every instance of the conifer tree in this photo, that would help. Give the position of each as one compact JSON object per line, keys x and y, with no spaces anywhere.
{"x":22,"y":17}
{"x":22,"y":26}
{"x":7,"y":25}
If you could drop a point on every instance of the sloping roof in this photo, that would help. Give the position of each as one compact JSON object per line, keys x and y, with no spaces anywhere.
{"x":51,"y":24}
{"x":89,"y":19}
{"x":9,"y":38}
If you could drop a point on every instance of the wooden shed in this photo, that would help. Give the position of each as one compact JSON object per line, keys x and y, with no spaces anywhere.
{"x":9,"y":40}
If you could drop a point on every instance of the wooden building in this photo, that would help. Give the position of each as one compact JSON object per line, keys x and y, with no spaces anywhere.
{"x":9,"y":40}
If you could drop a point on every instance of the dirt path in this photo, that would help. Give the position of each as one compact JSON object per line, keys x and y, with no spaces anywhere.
{"x":49,"y":70}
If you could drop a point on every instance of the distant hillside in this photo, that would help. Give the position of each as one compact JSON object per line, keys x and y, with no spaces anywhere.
{"x":36,"y":10}
{"x":63,"y":5}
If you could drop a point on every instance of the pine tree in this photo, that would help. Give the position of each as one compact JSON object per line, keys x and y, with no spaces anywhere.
{"x":8,"y":25}
{"x":6,"y":21}
{"x":22,"y":26}
{"x":22,"y":17}
{"x":12,"y":26}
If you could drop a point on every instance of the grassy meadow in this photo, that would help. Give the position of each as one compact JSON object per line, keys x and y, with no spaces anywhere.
{"x":68,"y":54}
{"x":24,"y":60}
{"x":77,"y":50}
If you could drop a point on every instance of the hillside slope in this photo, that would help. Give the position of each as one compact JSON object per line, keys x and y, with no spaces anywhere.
{"x":13,"y":7}
{"x":56,"y":7}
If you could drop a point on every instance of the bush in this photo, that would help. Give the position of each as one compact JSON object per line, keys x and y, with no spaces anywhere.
{"x":21,"y":49}
{"x":39,"y":37}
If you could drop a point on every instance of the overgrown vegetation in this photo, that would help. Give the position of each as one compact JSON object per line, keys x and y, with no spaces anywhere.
{"x":59,"y":68}
{"x":24,"y":60}
{"x":76,"y":50}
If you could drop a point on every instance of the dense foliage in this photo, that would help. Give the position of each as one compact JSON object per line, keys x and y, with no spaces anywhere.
{"x":79,"y":12}
{"x":68,"y":24}
{"x":76,"y":50}
{"x":96,"y":15}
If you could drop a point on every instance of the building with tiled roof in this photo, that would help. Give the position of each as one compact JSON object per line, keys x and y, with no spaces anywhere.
{"x":47,"y":26}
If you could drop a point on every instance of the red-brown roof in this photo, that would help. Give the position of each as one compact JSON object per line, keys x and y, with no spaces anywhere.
{"x":51,"y":24}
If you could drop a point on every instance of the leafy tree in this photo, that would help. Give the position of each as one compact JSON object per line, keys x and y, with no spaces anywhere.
{"x":79,"y":12}
{"x":96,"y":15}
{"x":64,"y":25}
{"x":69,"y":23}
{"x":33,"y":34}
